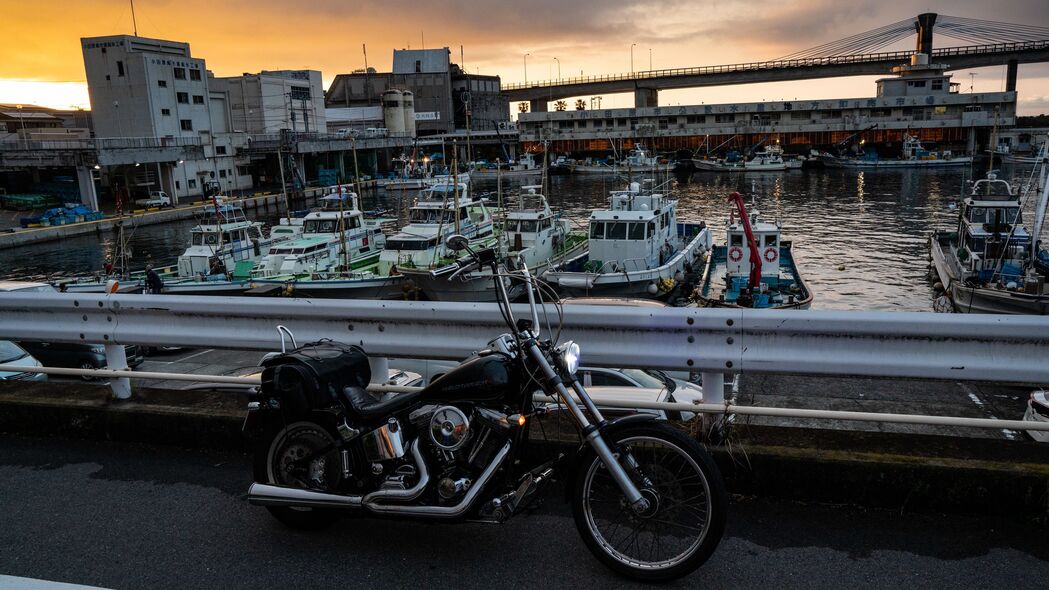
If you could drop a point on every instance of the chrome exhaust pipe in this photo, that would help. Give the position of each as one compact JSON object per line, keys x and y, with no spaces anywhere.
{"x":443,"y":511}
{"x":261,"y":494}
{"x":409,"y":494}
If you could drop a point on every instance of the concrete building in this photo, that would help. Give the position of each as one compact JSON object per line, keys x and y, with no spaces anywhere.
{"x":156,"y":90}
{"x":919,"y":99}
{"x":270,"y":101}
{"x":442,"y":91}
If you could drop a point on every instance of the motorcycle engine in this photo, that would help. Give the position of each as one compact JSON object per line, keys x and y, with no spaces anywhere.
{"x":462,"y":440}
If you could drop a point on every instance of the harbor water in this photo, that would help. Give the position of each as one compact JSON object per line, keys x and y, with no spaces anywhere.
{"x":860,"y":237}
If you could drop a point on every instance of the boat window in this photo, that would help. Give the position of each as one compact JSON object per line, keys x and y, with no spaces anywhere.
{"x":198,"y":239}
{"x":528,"y":226}
{"x":615,"y":231}
{"x":977,"y":215}
{"x":597,"y":230}
{"x":651,"y":228}
{"x":666,"y":219}
{"x":401,"y":244}
{"x":736,"y":240}
{"x":314,"y":226}
{"x":637,"y":231}
{"x":770,"y":240}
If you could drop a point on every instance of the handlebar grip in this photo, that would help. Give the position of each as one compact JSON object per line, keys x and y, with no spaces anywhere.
{"x":445,"y":270}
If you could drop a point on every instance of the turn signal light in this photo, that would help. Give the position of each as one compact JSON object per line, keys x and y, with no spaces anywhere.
{"x":518,"y":419}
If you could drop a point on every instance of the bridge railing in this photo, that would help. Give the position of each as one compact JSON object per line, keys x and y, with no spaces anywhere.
{"x":945,"y":52}
{"x":101,"y":143}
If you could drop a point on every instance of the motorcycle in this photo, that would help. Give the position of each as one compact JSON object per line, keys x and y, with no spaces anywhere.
{"x":647,"y":500}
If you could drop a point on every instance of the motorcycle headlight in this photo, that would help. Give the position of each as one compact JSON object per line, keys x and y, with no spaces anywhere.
{"x":569,"y":352}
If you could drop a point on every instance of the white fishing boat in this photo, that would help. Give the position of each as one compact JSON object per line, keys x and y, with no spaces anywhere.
{"x":992,"y":263}
{"x":441,"y":211}
{"x":637,"y":160}
{"x":335,"y":240}
{"x":754,"y":254}
{"x":525,"y":166}
{"x":912,"y":155}
{"x":637,"y":248}
{"x":529,"y":231}
{"x":767,"y":160}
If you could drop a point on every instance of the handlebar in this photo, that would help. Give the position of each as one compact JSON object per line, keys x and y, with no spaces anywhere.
{"x":466,"y":263}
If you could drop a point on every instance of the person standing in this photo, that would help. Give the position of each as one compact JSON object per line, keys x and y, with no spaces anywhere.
{"x":154,"y":284}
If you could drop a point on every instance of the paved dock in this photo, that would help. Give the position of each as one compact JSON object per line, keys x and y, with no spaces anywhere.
{"x":120,"y":515}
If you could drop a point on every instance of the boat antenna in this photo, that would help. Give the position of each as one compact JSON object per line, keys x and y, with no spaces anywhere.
{"x":134,"y":21}
{"x":455,"y":185}
{"x":283,"y":185}
{"x":994,"y":142}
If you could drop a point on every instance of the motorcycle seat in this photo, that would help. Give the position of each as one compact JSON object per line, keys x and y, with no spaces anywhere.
{"x":367,"y":407}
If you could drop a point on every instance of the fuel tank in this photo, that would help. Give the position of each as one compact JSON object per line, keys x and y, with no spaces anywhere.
{"x":478,"y":379}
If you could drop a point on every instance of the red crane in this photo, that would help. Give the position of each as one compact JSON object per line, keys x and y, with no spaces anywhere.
{"x":755,"y":256}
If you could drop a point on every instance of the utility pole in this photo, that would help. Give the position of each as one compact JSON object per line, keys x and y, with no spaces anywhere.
{"x":526,"y":66}
{"x":632,"y":45}
{"x":134,"y":21}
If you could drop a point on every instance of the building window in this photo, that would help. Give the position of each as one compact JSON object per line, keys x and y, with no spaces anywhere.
{"x":243,"y":171}
{"x":937,"y":84}
{"x":120,"y":68}
{"x":916,"y":83}
{"x":198,"y":99}
{"x":162,"y":83}
{"x":194,"y":75}
{"x":165,"y":112}
{"x":186,"y":124}
{"x":180,"y":73}
{"x":178,"y":185}
{"x":300,"y":93}
{"x":192,"y":183}
{"x":220,"y":150}
{"x":222,"y":174}
{"x":182,"y":97}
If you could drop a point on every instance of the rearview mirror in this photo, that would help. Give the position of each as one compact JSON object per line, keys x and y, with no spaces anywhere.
{"x":457,"y":242}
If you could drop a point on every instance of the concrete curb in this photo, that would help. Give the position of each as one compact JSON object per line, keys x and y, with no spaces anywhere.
{"x":906,"y":472}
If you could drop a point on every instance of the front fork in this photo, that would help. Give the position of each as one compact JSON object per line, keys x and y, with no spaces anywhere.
{"x":591,"y":432}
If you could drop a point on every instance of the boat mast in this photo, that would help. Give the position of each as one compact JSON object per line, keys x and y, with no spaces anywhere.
{"x":342,"y":231}
{"x":994,"y":143}
{"x":1043,"y":200}
{"x":283,"y":185}
{"x":455,"y":185}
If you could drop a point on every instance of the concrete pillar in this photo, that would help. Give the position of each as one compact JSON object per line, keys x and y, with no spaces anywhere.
{"x":1010,"y":75}
{"x":86,"y":182}
{"x":646,"y":97}
{"x":970,"y":146}
{"x":923,"y":27}
{"x":537,"y":106}
{"x":341,"y":156}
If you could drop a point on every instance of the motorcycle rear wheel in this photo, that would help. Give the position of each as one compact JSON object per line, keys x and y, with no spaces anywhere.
{"x":688,"y":498}
{"x":274,"y":463}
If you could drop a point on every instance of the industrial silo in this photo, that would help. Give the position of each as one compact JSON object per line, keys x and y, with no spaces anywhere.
{"x":408,"y":100}
{"x":393,"y":112}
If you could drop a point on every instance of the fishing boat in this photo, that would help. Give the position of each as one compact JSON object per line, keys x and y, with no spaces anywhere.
{"x":525,"y":166}
{"x":529,"y":231}
{"x":766,"y":160}
{"x":224,"y":247}
{"x":991,"y":263}
{"x":638,"y":160}
{"x":637,"y":248}
{"x":913,"y":155}
{"x":754,"y":269}
{"x":561,"y":165}
{"x":441,"y":211}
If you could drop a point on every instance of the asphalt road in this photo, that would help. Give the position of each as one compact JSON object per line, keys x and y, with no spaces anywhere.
{"x":135,"y":516}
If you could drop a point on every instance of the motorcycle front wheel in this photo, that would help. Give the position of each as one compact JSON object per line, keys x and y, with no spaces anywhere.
{"x":687,"y":500}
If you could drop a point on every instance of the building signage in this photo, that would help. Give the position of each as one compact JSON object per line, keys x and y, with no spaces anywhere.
{"x":428,"y":116}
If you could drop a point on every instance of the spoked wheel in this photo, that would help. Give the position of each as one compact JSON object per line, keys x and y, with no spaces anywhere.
{"x":300,"y":455}
{"x":687,"y":499}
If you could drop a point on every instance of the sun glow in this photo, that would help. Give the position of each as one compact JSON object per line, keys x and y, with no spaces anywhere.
{"x":57,"y":95}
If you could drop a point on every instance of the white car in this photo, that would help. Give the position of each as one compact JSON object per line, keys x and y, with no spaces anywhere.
{"x":1038,"y":411}
{"x":640,"y":384}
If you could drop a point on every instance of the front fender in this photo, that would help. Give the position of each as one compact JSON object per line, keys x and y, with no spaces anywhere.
{"x":609,"y":429}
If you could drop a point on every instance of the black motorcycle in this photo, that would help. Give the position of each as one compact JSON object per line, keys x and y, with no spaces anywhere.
{"x":647,"y":499}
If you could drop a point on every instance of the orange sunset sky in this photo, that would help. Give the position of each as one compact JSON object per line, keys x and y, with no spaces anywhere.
{"x":41,"y":61}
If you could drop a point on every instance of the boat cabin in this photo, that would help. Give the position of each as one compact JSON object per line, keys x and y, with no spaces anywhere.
{"x":530,"y":222}
{"x":637,"y":231}
{"x":767,"y":238}
{"x":993,"y":242}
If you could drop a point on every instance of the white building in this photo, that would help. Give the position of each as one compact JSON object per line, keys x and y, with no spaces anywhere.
{"x":270,"y":101}
{"x":157,"y":91}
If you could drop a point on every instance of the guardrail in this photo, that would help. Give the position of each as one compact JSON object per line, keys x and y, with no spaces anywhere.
{"x":616,"y":402}
{"x":946,"y":52}
{"x":713,"y":342}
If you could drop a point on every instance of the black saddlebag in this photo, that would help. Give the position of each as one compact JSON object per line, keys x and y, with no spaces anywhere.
{"x":311,"y":376}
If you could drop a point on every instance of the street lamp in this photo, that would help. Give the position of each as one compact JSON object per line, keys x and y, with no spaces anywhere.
{"x":650,"y":59}
{"x":21,"y":119}
{"x":632,"y":57}
{"x":558,"y":68}
{"x":526,"y":66}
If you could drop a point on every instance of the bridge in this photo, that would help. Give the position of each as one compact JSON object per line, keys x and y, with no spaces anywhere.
{"x":991,"y":44}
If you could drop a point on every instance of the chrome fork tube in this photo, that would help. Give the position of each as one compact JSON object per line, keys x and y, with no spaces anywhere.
{"x":591,"y":432}
{"x":589,"y":403}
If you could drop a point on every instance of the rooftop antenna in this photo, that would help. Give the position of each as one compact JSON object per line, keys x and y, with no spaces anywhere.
{"x":134,"y":21}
